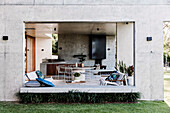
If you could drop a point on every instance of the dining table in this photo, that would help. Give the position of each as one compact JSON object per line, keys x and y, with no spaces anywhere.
{"x":82,"y":70}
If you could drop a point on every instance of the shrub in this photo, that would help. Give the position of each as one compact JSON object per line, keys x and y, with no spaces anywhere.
{"x":77,"y":97}
{"x":76,"y":74}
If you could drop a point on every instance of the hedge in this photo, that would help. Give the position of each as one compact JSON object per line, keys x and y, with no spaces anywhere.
{"x":77,"y":97}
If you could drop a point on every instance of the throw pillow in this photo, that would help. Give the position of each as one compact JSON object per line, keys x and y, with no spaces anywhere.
{"x":40,"y":75}
{"x":45,"y":82}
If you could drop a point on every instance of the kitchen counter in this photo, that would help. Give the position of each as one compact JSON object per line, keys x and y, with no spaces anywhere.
{"x":49,"y":68}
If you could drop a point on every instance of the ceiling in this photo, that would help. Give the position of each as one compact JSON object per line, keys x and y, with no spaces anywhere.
{"x":41,"y":29}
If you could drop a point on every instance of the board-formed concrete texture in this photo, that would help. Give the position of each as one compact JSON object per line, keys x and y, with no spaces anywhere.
{"x":73,"y":45}
{"x":148,"y":16}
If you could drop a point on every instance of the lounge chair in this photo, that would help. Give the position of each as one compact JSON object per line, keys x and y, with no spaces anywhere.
{"x":118,"y":82}
{"x":36,"y":79}
{"x":31,"y":80}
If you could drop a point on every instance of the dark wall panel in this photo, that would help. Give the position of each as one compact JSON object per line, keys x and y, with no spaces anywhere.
{"x":98,"y":47}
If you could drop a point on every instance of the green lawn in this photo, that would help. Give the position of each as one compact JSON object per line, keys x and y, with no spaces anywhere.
{"x":167,"y":73}
{"x":167,"y":86}
{"x":141,"y":107}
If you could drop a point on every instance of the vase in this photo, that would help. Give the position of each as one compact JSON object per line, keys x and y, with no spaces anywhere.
{"x":76,"y":78}
{"x":131,"y":81}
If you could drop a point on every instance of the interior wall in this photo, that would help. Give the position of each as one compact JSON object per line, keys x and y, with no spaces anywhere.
{"x":110,"y":53}
{"x":43,"y":50}
{"x":74,"y":44}
{"x":125,"y":43}
{"x":78,"y":44}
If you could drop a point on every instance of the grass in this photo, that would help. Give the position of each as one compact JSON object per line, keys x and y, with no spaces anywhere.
{"x":167,"y":79}
{"x":167,"y":86}
{"x":166,"y":73}
{"x":141,"y":107}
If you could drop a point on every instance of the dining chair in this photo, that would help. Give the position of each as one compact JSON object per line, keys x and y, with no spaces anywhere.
{"x":68,"y":71}
{"x":60,"y":71}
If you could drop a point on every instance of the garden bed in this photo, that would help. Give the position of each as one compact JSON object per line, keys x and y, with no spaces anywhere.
{"x":78,"y":97}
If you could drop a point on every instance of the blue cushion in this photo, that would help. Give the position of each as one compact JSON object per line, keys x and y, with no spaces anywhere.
{"x":45,"y":82}
{"x":40,"y":75}
{"x":32,"y":84}
{"x":112,"y":77}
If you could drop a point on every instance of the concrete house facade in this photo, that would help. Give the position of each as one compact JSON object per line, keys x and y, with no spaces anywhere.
{"x":143,"y":18}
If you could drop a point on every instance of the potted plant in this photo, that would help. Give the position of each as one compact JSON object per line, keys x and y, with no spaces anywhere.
{"x":130,"y":71}
{"x":121,"y":67}
{"x":81,"y":58}
{"x":77,"y":76}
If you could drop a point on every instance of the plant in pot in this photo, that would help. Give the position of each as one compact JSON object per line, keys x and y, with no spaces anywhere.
{"x":77,"y":76}
{"x":121,"y":66}
{"x":130,"y":70}
{"x":81,"y":58}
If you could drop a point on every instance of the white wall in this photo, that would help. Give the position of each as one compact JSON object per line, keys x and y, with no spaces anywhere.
{"x":125,"y":43}
{"x":46,"y":44}
{"x":148,"y":22}
{"x":110,"y":54}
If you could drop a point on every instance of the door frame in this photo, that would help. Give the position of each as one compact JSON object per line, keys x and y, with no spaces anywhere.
{"x":33,"y":53}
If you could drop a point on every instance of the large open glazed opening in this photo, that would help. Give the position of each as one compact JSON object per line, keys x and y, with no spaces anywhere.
{"x":166,"y":36}
{"x":81,"y":54}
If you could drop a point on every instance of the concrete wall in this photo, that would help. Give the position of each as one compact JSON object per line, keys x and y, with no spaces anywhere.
{"x":148,"y":22}
{"x":125,"y":43}
{"x":46,"y":44}
{"x":110,"y":54}
{"x":73,"y":45}
{"x":83,"y":2}
{"x":79,"y":44}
